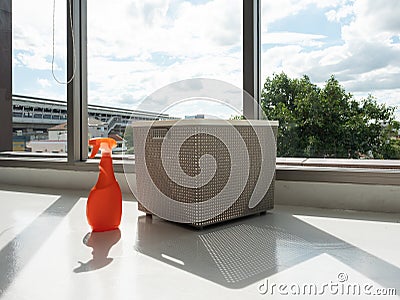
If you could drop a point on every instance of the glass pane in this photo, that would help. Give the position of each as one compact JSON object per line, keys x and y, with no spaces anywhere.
{"x":331,"y":72}
{"x":138,"y":47}
{"x":39,"y":101}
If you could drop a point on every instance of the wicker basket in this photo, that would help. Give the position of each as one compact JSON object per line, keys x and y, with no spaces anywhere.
{"x":172,"y":160}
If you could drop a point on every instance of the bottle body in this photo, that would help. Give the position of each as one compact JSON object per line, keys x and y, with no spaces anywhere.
{"x":104,"y":205}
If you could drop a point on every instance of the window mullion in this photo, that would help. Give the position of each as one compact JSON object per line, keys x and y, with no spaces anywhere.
{"x":251,"y":58}
{"x":77,"y":89}
{"x":6,"y":75}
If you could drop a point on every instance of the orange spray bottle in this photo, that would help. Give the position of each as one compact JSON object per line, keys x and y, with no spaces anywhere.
{"x":104,"y":205}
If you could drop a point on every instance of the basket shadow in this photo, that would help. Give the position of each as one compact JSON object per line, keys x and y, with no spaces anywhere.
{"x":248,"y":250}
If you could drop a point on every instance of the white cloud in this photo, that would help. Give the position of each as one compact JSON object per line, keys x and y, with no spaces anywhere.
{"x":192,"y":30}
{"x":43,"y":82}
{"x":33,"y":61}
{"x":48,"y":93}
{"x":273,"y":10}
{"x":139,"y":79}
{"x":339,"y":13}
{"x":386,"y":96}
{"x":293,"y":38}
{"x":378,"y":15}
{"x":32,"y":31}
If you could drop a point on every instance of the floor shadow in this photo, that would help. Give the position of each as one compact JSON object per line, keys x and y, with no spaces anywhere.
{"x":17,"y":253}
{"x":40,"y":190}
{"x":248,"y":250}
{"x":101,"y":242}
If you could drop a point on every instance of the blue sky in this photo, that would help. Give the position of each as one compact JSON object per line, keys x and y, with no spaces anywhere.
{"x":136,"y":47}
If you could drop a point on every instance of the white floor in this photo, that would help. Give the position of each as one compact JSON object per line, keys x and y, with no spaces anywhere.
{"x":47,"y":252}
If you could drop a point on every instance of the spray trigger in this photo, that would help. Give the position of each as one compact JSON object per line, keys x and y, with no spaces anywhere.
{"x":105,"y":144}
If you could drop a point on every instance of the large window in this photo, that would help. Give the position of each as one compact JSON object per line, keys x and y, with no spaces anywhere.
{"x":330,"y":70}
{"x":331,"y":83}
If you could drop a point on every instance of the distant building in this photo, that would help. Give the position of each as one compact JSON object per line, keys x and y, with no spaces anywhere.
{"x":47,"y":146}
{"x":200,"y":116}
{"x":58,"y":132}
{"x":32,"y":117}
{"x":97,"y":128}
{"x":57,"y":137}
{"x":19,"y":143}
{"x":56,"y":141}
{"x":121,"y":147}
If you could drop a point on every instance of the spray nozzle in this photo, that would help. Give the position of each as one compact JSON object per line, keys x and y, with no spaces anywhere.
{"x":105,"y":144}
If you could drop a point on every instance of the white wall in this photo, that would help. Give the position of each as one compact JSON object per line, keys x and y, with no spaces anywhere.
{"x":48,"y":146}
{"x":57,"y":135}
{"x":382,"y":198}
{"x":62,"y":179}
{"x":379,"y":198}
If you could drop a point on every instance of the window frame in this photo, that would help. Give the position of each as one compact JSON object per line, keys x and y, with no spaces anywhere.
{"x":6,"y":74}
{"x":287,"y":169}
{"x":77,"y":103}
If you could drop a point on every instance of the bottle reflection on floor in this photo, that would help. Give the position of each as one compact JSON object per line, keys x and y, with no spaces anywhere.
{"x":101,"y":242}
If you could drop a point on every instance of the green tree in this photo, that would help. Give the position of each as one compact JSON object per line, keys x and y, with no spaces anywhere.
{"x":128,"y":137}
{"x":328,"y":121}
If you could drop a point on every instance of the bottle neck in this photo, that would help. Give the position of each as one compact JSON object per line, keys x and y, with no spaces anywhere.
{"x":106,"y":175}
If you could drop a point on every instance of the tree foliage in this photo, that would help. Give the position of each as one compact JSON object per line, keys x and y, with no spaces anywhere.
{"x":128,"y":137}
{"x":328,"y":121}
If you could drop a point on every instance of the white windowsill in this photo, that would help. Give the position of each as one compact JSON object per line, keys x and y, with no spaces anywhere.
{"x":379,"y":172}
{"x":329,"y":183}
